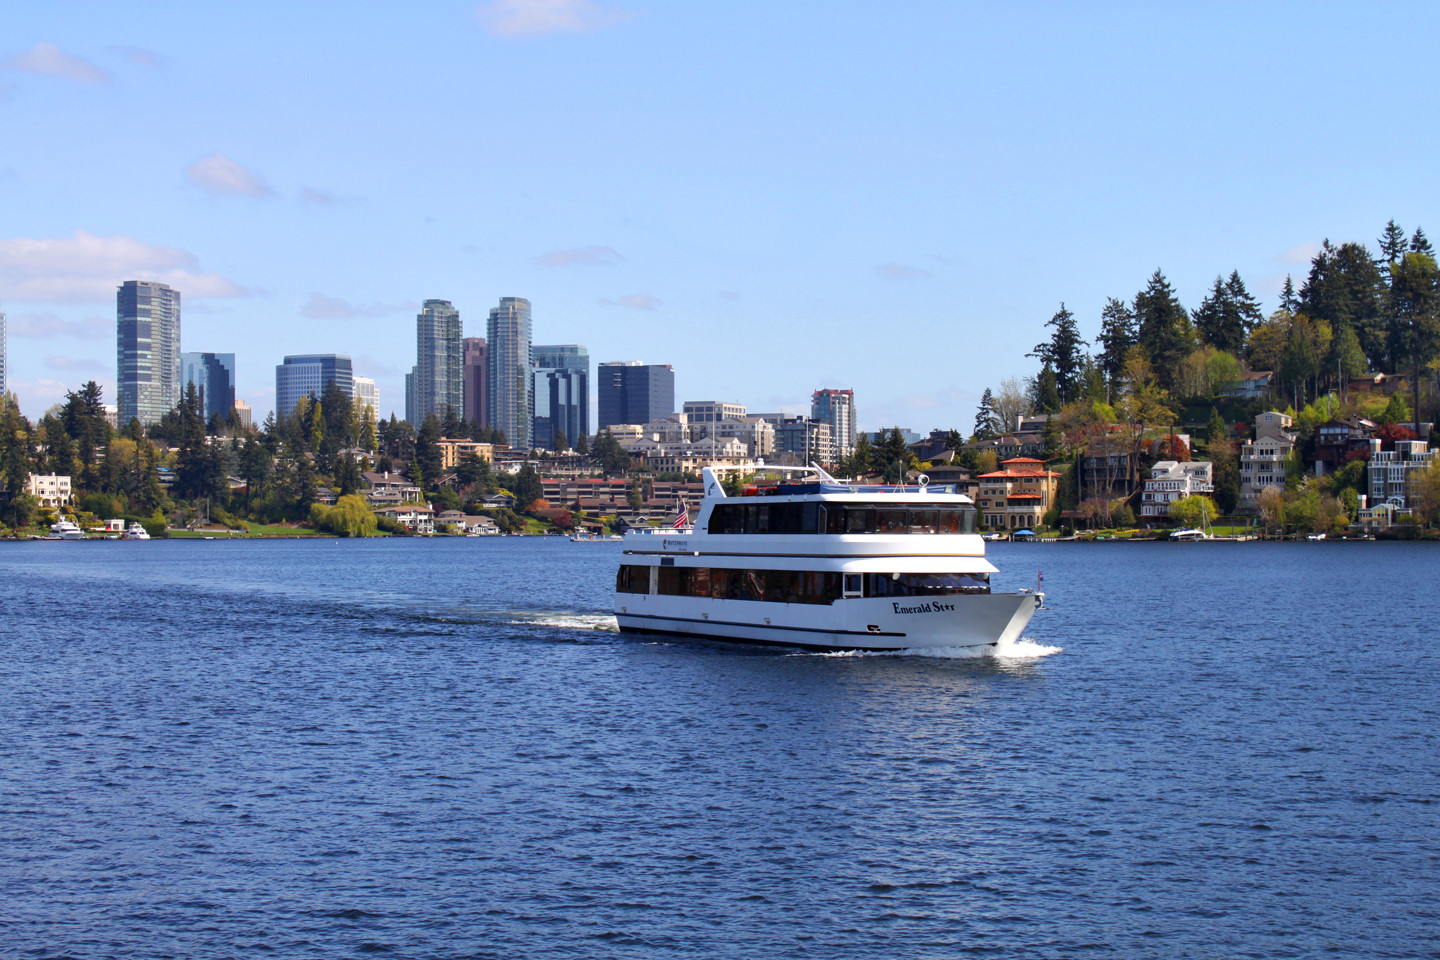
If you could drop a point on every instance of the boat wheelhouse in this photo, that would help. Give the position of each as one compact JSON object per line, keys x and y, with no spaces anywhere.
{"x":814,"y":562}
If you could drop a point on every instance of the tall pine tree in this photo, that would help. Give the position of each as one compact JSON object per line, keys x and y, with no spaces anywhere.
{"x":1063,"y":354}
{"x":1163,"y":327}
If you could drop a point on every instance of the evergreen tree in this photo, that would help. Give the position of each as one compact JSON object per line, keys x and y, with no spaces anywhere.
{"x":1415,"y":306}
{"x":1163,"y":327}
{"x":1289,"y":299}
{"x":1045,"y":391}
{"x":582,"y":445}
{"x":1117,"y":336}
{"x":527,"y":487}
{"x":987,"y":425}
{"x":427,"y":450}
{"x":611,"y":456}
{"x":1419,"y":244}
{"x":1392,"y":245}
{"x":451,"y":425}
{"x":1062,"y":353}
{"x":1344,"y":288}
{"x":562,"y":442}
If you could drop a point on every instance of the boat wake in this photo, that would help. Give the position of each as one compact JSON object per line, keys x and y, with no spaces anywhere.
{"x":1021,"y":649}
{"x":602,"y":622}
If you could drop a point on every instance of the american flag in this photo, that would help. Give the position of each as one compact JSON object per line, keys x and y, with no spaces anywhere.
{"x":682,"y":519}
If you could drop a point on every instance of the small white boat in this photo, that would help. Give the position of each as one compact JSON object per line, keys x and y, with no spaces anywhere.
{"x":65,"y":530}
{"x":136,"y":532}
{"x":1190,"y":534}
{"x":1315,"y":536}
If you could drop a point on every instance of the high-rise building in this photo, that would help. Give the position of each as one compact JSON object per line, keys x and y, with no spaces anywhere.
{"x":367,"y":393}
{"x":629,"y":391}
{"x":438,"y":385}
{"x":3,"y":381}
{"x":308,"y":374}
{"x":147,"y":350}
{"x":477,"y":405}
{"x":508,"y":370}
{"x":837,"y":408}
{"x":562,"y":393}
{"x":244,"y":414}
{"x":214,"y":377}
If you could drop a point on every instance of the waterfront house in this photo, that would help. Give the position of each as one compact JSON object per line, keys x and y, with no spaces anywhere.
{"x":1018,"y":495}
{"x":1388,"y":473}
{"x":1262,"y":461}
{"x":52,"y":490}
{"x":1340,"y":441}
{"x":1170,"y":481}
{"x":415,"y":518}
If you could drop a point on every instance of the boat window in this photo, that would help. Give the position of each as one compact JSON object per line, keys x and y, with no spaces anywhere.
{"x":925,"y":584}
{"x":812,"y":517}
{"x":771,"y":586}
{"x":632,"y":578}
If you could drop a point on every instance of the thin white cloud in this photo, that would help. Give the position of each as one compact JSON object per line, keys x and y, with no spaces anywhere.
{"x":48,"y":60}
{"x":539,"y":18}
{"x":76,"y":365}
{"x":220,"y":175}
{"x":89,"y":268}
{"x":316,"y":197}
{"x":46,"y":326}
{"x":899,"y":273}
{"x":581,"y":257}
{"x":1300,"y":253}
{"x":635,"y":301}
{"x":140,"y":56}
{"x":321,"y":307}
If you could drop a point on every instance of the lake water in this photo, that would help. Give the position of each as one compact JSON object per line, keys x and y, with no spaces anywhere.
{"x":442,"y":749}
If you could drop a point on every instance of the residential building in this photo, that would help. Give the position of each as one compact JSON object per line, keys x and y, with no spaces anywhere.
{"x":387,"y":486}
{"x":1262,"y":461}
{"x":633,"y":392}
{"x":366,"y":393}
{"x":4,"y":382}
{"x":472,"y":374}
{"x":244,"y":414}
{"x":837,"y":408}
{"x":52,"y":490}
{"x":1251,"y":385}
{"x":308,"y":375}
{"x":453,"y":451}
{"x":1011,"y":445}
{"x":147,"y":350}
{"x":562,"y":393}
{"x":1018,"y":495}
{"x":1170,"y":481}
{"x":436,"y":384}
{"x":214,"y":377}
{"x":415,"y":518}
{"x":712,"y":411}
{"x":1389,"y":471}
{"x":1342,"y":440}
{"x":508,"y":371}
{"x":803,"y":440}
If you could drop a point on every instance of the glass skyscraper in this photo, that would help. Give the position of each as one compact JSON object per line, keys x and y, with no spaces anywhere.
{"x":437,"y":384}
{"x":509,"y":367}
{"x":147,"y":353}
{"x":562,"y":393}
{"x":308,"y":374}
{"x":477,"y":404}
{"x":214,"y":376}
{"x":633,"y":392}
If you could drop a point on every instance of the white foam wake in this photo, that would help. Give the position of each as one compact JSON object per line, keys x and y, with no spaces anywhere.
{"x":603,"y":622}
{"x":1021,"y":649}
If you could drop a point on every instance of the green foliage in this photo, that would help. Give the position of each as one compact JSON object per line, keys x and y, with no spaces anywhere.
{"x":103,"y":505}
{"x":445,"y":498}
{"x":1163,"y":327}
{"x":392,"y":526}
{"x":1117,"y":336}
{"x":1064,"y":356}
{"x":1193,"y":511}
{"x":526,"y":486}
{"x":611,"y":456}
{"x":350,"y":517}
{"x":1396,"y":411}
{"x":1227,"y":315}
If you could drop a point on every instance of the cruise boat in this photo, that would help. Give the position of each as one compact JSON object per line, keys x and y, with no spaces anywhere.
{"x":810,"y":561}
{"x":136,"y":532}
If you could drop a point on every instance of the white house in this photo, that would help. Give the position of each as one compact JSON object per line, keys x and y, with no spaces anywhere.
{"x":1262,"y":463}
{"x":52,"y":490}
{"x":1170,"y":481}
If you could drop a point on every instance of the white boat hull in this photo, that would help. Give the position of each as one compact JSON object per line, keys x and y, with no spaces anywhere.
{"x":910,"y":623}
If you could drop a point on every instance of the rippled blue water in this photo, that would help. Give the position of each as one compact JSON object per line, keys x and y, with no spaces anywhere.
{"x":428,"y":749}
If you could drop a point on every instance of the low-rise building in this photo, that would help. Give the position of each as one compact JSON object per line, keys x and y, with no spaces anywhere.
{"x":1341,"y":440}
{"x":52,"y":490}
{"x":389,"y":486}
{"x":1170,"y":481}
{"x":1388,"y":474}
{"x":1253,"y":384}
{"x":1018,"y":495}
{"x":415,"y":518}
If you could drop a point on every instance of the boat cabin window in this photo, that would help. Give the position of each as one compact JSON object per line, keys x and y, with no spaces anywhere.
{"x":925,"y":584}
{"x":770,"y":586}
{"x":839,"y":518}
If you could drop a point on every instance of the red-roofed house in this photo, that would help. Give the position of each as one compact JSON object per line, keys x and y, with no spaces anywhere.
{"x":1018,"y":495}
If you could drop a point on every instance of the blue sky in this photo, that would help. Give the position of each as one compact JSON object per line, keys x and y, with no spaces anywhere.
{"x":772,"y":197}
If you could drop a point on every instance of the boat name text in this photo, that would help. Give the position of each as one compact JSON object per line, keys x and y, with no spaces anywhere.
{"x":927,"y":607}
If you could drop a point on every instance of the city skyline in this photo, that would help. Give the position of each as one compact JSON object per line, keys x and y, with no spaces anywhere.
{"x":780,"y":178}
